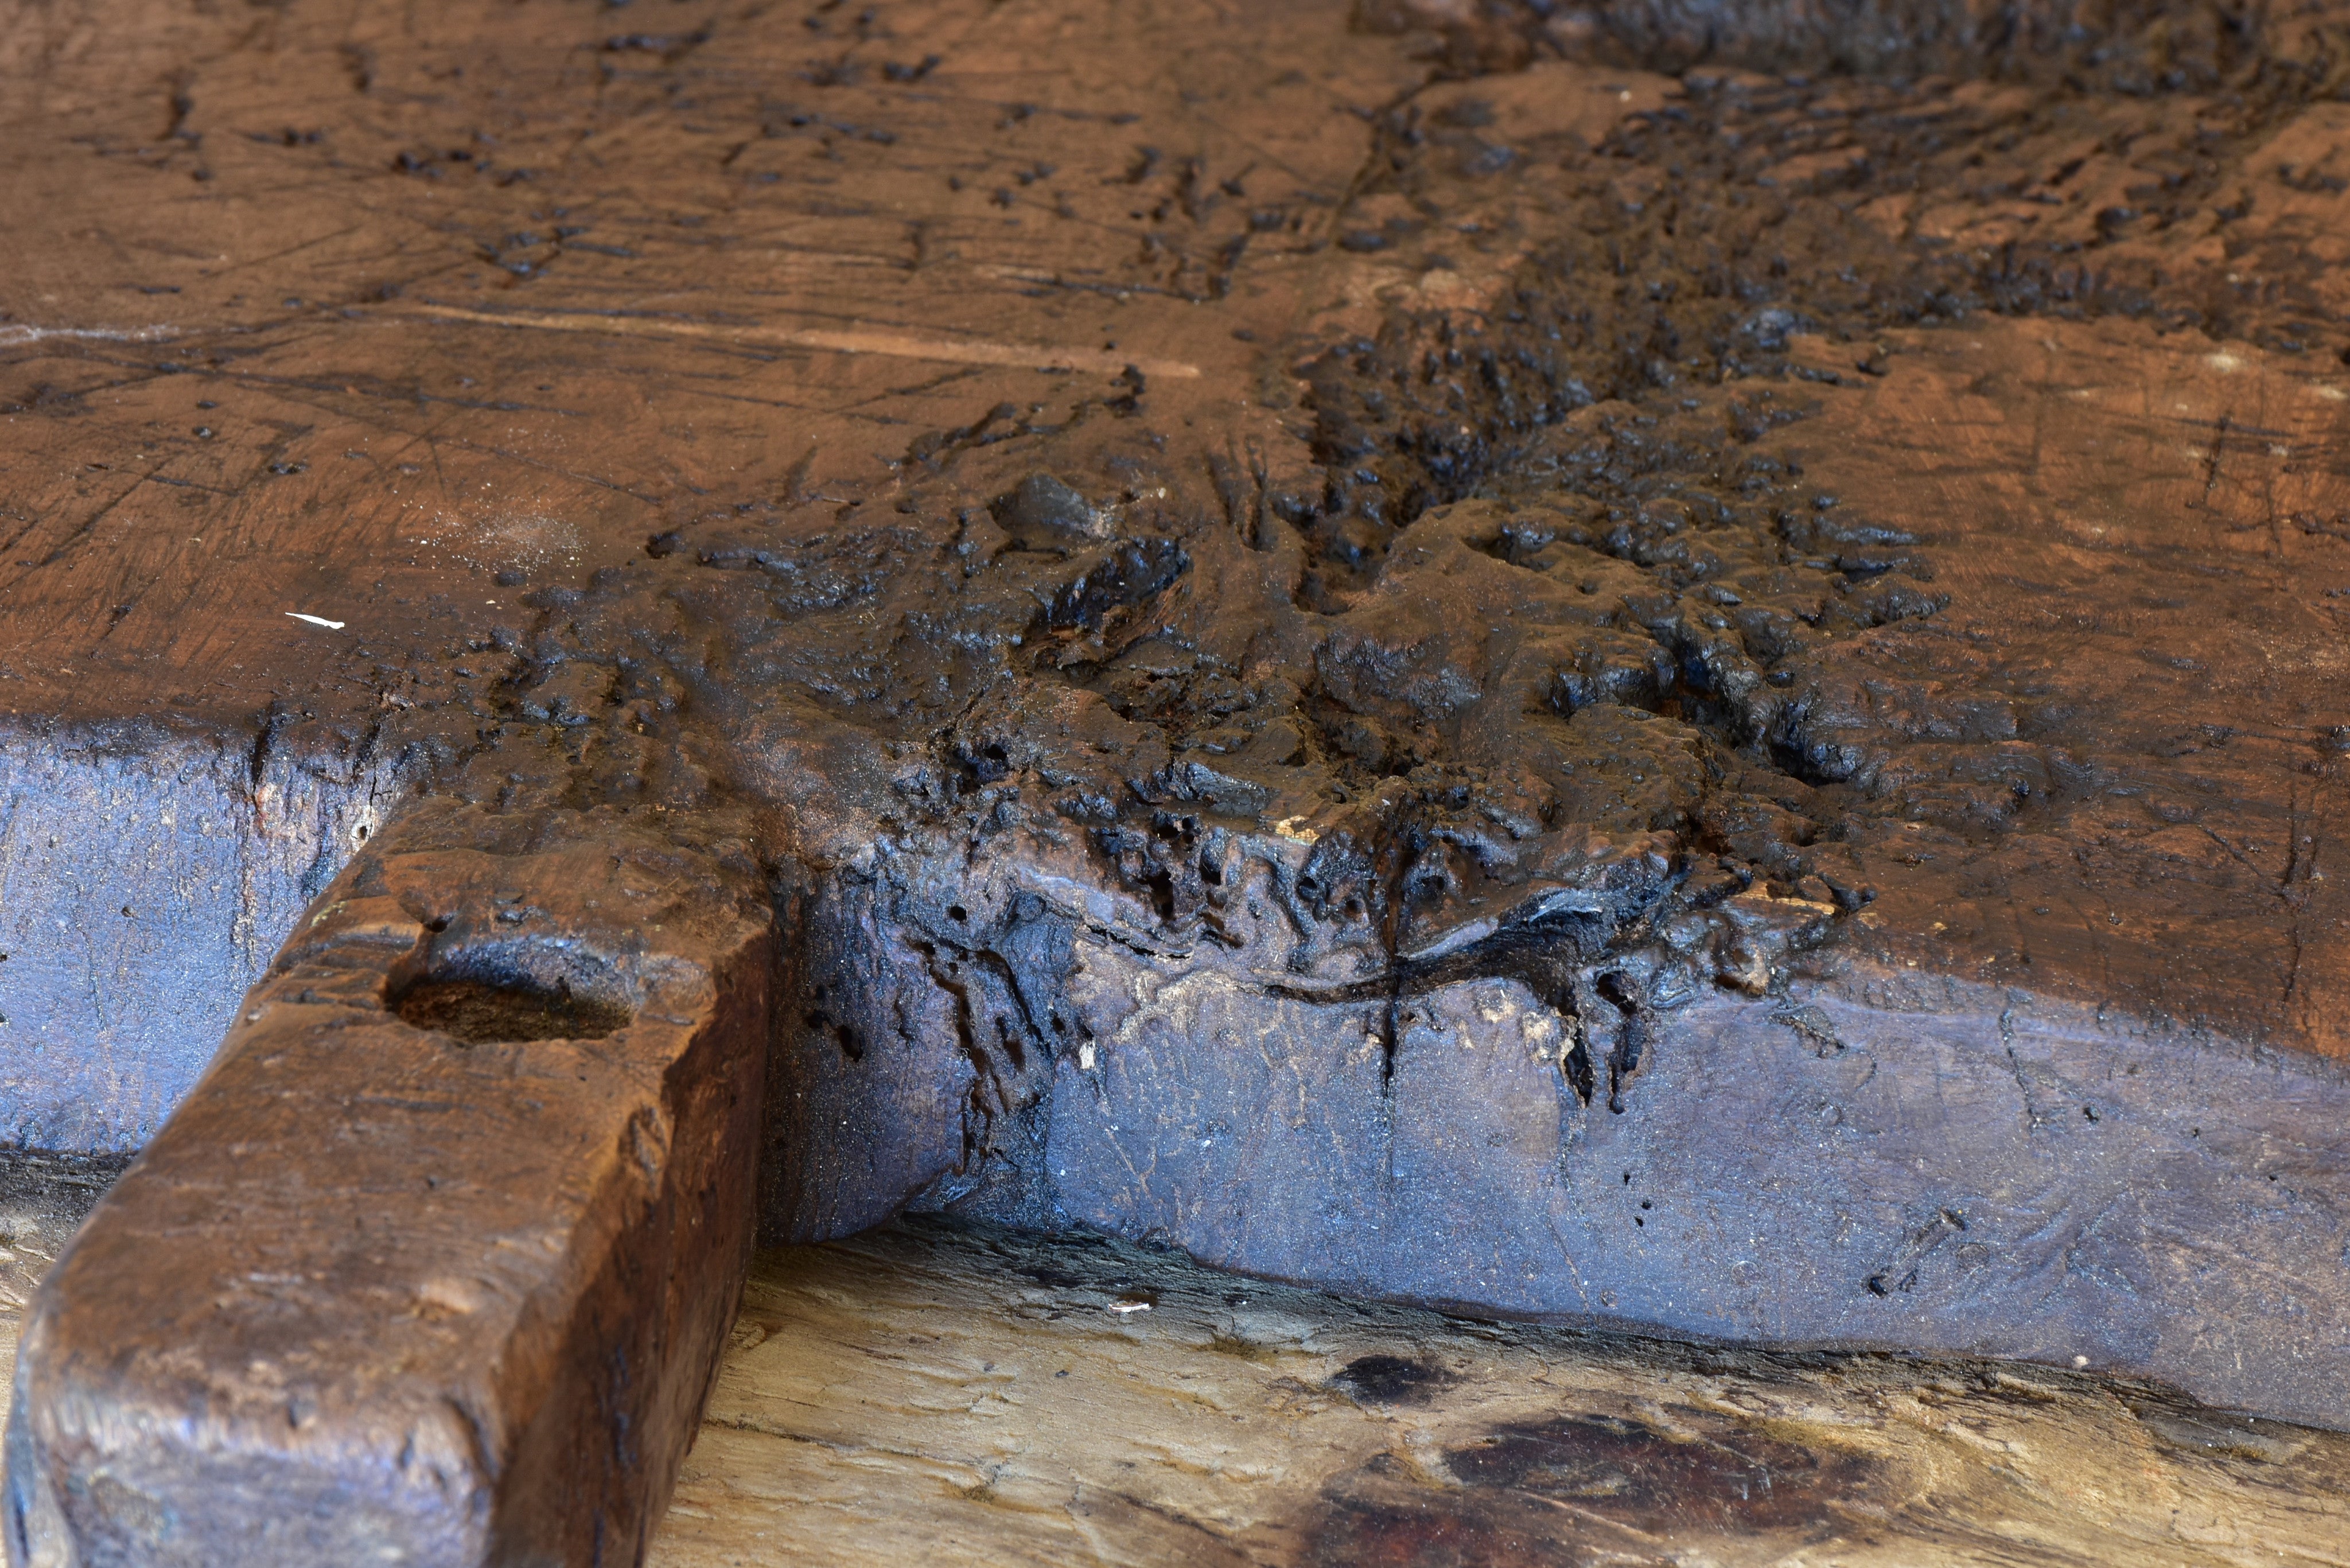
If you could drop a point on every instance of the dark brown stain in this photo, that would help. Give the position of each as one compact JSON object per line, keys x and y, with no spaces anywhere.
{"x":1725,"y":1479}
{"x":483,"y":1012}
{"x":1555,"y":1491}
{"x":1389,"y":1380}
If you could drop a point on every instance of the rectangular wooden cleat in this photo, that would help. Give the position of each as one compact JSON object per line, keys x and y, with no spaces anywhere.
{"x":434,"y":1265}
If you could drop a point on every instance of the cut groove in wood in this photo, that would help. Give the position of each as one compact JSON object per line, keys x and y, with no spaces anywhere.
{"x":839,"y":340}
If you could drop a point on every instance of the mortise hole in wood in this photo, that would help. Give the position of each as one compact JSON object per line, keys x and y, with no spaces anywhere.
{"x":486,"y":1012}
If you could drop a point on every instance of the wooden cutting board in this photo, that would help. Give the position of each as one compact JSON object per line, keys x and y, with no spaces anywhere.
{"x":1398,"y":655}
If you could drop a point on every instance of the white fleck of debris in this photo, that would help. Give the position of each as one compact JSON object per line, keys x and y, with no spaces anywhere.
{"x":317,"y":620}
{"x":1625,"y":96}
{"x":29,"y":334}
{"x":2224,"y":362}
{"x":1086,"y":1056}
{"x":1128,"y":1306}
{"x":2080,"y":1361}
{"x":2280,"y":450}
{"x":1287,"y":827}
{"x":2331,"y":394}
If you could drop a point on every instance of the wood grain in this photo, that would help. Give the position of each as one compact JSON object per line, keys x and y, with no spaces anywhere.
{"x":1415,"y":649}
{"x":970,"y":1396}
{"x":974,"y":1397}
{"x":434,"y":1265}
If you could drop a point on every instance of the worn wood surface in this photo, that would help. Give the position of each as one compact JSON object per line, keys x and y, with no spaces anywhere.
{"x":304,"y":263}
{"x":986,"y":1399}
{"x":1426,"y":650}
{"x":434,"y":1264}
{"x":974,"y":1397}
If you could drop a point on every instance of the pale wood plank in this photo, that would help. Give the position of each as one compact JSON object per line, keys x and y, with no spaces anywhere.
{"x":948,"y":1397}
{"x":966,"y":1396}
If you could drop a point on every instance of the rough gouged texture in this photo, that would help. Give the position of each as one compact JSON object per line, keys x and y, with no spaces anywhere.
{"x":435,"y":1264}
{"x":410,"y":392}
{"x":1423,"y":647}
